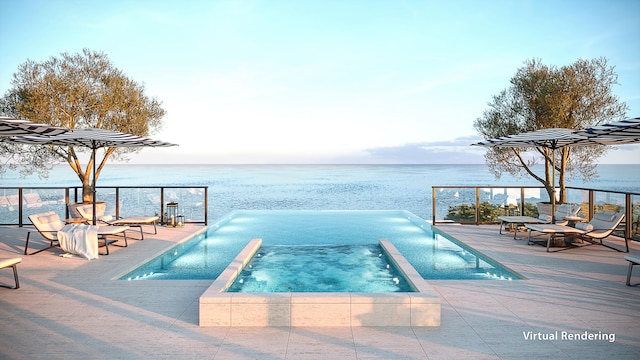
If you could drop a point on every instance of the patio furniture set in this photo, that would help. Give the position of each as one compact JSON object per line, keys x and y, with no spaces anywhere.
{"x":76,"y":235}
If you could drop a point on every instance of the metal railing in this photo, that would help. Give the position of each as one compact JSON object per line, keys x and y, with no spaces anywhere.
{"x":17,"y":203}
{"x":483,"y":204}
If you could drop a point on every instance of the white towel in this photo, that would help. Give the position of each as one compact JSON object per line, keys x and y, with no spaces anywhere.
{"x":80,"y":240}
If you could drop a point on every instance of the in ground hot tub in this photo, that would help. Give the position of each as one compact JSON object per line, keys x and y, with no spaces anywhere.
{"x":419,"y":307}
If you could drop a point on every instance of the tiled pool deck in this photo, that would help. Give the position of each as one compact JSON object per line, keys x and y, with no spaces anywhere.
{"x":71,"y":309}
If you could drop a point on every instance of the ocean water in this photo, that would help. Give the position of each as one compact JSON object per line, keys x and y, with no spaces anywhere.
{"x":318,"y":187}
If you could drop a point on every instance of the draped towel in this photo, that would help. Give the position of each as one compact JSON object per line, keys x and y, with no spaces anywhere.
{"x":80,"y":240}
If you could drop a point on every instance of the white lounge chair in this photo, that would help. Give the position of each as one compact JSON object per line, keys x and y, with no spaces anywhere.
{"x":603,"y":224}
{"x":86,"y":211}
{"x":562,"y":211}
{"x":13,"y":263}
{"x":49,"y":223}
{"x":633,"y":260}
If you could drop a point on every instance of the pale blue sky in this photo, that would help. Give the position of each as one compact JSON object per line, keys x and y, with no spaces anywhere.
{"x":326,"y":81}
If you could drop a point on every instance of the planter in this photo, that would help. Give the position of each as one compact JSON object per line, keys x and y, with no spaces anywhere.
{"x":101,"y":207}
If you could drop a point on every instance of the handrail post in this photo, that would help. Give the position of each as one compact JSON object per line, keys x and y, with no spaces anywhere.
{"x":628,"y":217}
{"x":206,"y":205}
{"x":66,"y":203}
{"x":117,"y":202}
{"x":162,"y":205}
{"x":20,"y":207}
{"x":433,"y":205}
{"x":477,"y":205}
{"x":522,"y":201}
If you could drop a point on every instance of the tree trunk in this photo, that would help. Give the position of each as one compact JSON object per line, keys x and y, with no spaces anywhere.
{"x":87,"y":193}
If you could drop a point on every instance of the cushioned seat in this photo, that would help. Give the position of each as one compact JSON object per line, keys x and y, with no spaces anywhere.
{"x":12,"y":263}
{"x":633,"y":260}
{"x":86,"y":211}
{"x":47,"y":224}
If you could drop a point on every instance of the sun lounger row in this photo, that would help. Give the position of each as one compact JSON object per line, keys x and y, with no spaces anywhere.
{"x":57,"y":233}
{"x":603,"y":224}
{"x":86,"y":211}
{"x":563,"y":211}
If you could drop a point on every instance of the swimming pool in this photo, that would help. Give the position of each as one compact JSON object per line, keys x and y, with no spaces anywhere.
{"x":432,"y":254}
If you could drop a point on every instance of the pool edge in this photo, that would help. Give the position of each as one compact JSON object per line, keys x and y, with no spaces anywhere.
{"x":220,"y":308}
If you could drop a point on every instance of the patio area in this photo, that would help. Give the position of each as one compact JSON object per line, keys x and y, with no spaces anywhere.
{"x":71,"y":308}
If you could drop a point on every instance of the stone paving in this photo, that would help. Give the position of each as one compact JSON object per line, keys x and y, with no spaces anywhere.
{"x":70,"y":308}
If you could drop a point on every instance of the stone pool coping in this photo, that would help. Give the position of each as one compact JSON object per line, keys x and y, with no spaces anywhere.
{"x":220,"y":308}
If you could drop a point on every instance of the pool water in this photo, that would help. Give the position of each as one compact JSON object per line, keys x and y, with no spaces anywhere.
{"x":432,"y":254}
{"x":333,"y":268}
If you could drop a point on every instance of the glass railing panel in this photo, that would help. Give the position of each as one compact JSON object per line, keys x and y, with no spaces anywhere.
{"x":458,"y":204}
{"x":533,"y":196}
{"x":139,"y":202}
{"x":497,"y":201}
{"x":611,"y":201}
{"x":191,"y":202}
{"x":40,"y":200}
{"x":9,"y":205}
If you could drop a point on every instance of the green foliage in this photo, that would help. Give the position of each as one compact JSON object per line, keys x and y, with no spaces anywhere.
{"x":575,"y":96}
{"x":488,"y":213}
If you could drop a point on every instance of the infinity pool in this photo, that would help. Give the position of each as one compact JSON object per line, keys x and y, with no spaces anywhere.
{"x":433,"y":255}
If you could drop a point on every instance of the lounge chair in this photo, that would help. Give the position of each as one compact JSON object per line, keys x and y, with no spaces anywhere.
{"x":49,"y":223}
{"x":603,"y":224}
{"x":13,"y":263}
{"x":633,"y":260}
{"x":563,"y":210}
{"x":86,"y":212}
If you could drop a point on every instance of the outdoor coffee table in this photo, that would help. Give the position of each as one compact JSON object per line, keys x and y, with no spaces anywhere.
{"x":573,"y":220}
{"x":76,"y":221}
{"x":552,"y":230}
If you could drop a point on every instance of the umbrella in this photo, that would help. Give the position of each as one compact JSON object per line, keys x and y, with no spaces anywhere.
{"x":93,"y":139}
{"x":620,"y":132}
{"x":11,"y":127}
{"x":553,"y":138}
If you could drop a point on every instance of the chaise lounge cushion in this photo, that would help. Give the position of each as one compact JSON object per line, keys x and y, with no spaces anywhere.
{"x":584,"y":226}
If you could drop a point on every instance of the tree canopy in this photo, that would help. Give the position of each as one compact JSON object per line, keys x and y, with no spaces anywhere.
{"x":575,"y":96}
{"x":75,"y":91}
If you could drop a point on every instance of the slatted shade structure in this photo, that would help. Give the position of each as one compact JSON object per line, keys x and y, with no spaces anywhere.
{"x":552,"y":138}
{"x":619,"y":132}
{"x":93,"y":139}
{"x":14,"y":127}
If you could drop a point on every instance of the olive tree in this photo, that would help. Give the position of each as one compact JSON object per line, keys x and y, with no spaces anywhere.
{"x":575,"y":96}
{"x":75,"y":91}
